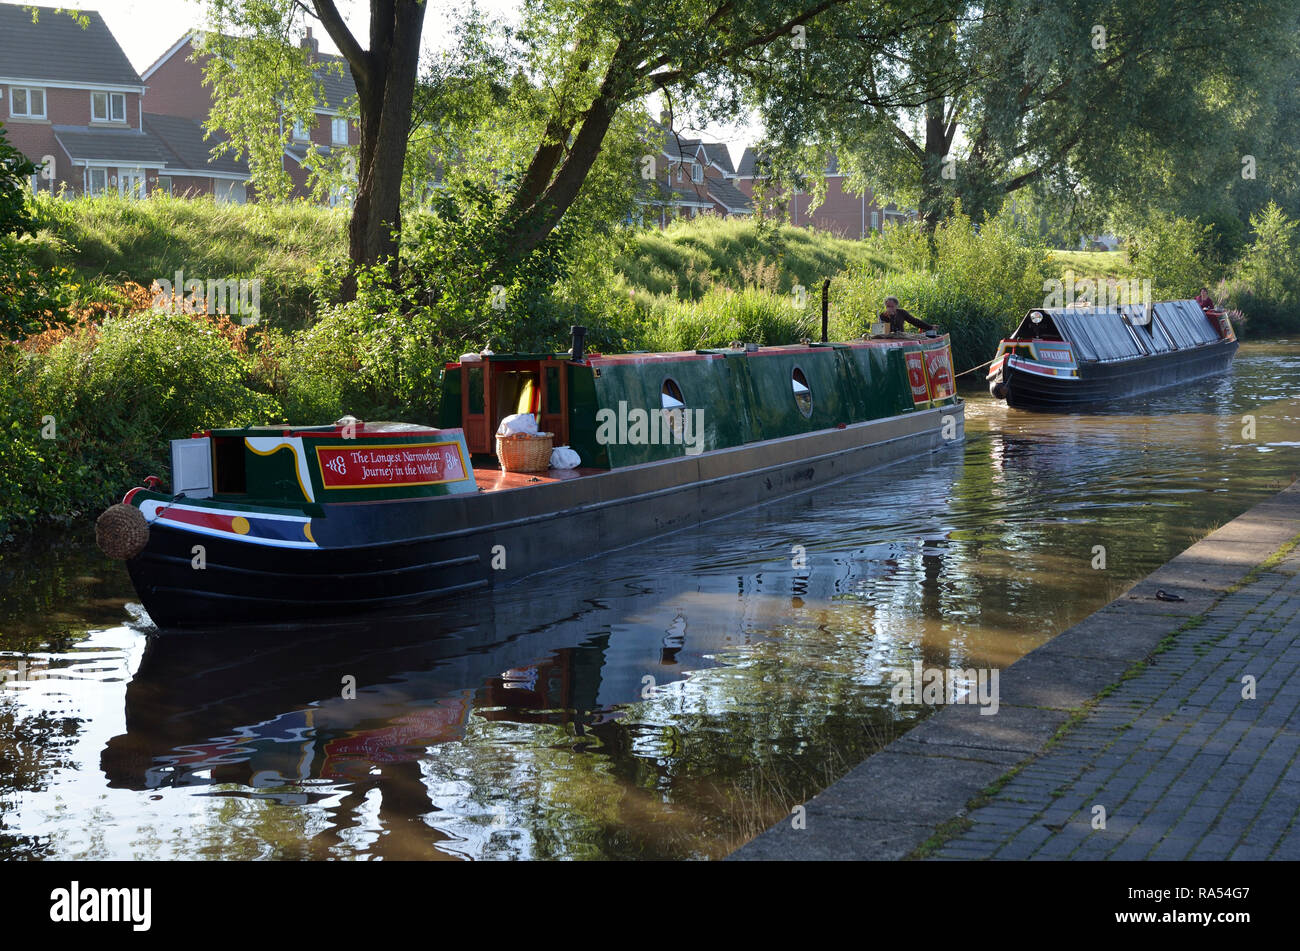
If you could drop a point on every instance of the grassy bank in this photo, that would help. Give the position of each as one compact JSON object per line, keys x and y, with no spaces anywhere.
{"x":108,"y":240}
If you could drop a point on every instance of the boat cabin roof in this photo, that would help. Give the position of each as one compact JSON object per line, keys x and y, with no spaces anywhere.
{"x":360,"y":430}
{"x":1120,"y":333}
{"x":596,"y":359}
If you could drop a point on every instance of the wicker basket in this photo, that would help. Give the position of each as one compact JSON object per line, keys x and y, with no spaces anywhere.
{"x":524,"y":452}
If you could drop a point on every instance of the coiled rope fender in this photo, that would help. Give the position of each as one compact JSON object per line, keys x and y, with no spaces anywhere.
{"x":121,"y":531}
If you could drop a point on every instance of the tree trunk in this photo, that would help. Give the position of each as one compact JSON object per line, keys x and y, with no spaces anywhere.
{"x":937,"y":143}
{"x":385,"y":80}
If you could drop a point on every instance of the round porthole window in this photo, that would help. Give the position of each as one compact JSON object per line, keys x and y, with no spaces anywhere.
{"x":802,"y":394}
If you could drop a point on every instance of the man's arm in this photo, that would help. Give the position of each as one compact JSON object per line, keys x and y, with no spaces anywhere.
{"x":915,"y":320}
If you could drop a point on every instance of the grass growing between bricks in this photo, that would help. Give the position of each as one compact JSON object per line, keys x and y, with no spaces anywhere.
{"x":961,"y":823}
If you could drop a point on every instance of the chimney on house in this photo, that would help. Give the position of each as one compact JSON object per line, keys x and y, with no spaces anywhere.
{"x":310,"y":43}
{"x":665,"y":118}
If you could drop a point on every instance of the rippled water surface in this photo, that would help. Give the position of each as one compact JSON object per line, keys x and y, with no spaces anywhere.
{"x":669,"y":700}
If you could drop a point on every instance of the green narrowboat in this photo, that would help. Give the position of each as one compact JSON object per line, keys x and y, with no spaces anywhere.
{"x":268,"y":524}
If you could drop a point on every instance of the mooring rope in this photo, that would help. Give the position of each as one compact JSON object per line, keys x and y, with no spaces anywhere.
{"x":973,"y":369}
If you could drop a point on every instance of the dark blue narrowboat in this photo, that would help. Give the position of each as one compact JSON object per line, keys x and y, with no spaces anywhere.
{"x":1076,"y":357}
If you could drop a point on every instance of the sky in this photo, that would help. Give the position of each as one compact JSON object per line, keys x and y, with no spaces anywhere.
{"x":146,"y":29}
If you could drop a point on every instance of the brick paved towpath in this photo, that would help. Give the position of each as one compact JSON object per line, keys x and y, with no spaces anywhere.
{"x":1140,"y":715}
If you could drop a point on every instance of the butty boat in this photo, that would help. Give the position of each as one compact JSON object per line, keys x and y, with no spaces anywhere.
{"x":275,"y":523}
{"x":1066,"y":358}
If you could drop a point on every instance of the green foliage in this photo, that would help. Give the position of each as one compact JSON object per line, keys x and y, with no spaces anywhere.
{"x":721,"y":316}
{"x":108,"y":239}
{"x":1169,"y":251}
{"x":29,"y":484}
{"x":263,"y":82}
{"x":975,"y":285}
{"x":688,"y":257}
{"x":30,"y":296}
{"x":15,"y":197}
{"x":459,"y":290}
{"x":1106,"y":265}
{"x":1042,"y":99}
{"x":1265,"y":285}
{"x":91,"y":417}
{"x":1271,"y":265}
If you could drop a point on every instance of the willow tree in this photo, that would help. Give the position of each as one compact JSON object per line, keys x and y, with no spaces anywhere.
{"x":589,"y":57}
{"x":948,"y":99}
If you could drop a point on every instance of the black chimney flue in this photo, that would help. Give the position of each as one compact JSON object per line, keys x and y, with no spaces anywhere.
{"x":579,"y":341}
{"x":826,"y":307}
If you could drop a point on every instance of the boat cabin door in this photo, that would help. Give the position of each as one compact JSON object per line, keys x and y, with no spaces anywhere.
{"x":475,"y":412}
{"x":553,"y":408}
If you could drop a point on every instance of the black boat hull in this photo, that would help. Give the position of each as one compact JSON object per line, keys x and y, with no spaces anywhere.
{"x":1105,"y":382}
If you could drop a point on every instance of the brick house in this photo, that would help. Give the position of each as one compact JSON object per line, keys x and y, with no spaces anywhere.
{"x":176,"y":89}
{"x":70,"y":98}
{"x":845,"y":213}
{"x":691,"y":177}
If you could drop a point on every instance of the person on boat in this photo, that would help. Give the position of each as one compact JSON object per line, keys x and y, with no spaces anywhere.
{"x":895,"y":316}
{"x":1203,"y":298}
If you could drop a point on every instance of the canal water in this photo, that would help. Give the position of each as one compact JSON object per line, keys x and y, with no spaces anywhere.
{"x":669,"y":700}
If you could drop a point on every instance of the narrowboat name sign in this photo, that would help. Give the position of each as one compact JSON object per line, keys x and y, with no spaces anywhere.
{"x":916,"y":376}
{"x":366,"y":467}
{"x":939,"y":371}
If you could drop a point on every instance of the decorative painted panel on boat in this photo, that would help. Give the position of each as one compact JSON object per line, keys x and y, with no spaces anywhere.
{"x":390,"y":465}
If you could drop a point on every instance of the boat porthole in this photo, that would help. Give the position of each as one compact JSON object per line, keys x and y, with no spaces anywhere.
{"x":673,"y":406}
{"x":802,"y":393}
{"x":670,"y":395}
{"x":239,"y":525}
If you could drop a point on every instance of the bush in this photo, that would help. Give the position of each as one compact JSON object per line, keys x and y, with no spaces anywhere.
{"x":31,"y":297}
{"x":974,"y":284}
{"x":721,"y":316}
{"x":91,"y":413}
{"x":1168,"y":252}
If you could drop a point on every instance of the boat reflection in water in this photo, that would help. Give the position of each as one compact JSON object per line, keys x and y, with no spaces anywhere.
{"x":273,"y":711}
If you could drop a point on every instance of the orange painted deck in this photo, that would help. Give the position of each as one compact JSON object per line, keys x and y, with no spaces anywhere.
{"x":491,"y":478}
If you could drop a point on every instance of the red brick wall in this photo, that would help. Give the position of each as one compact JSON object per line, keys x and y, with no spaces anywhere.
{"x":176,"y":87}
{"x":842,"y":213}
{"x":184,"y":186}
{"x":72,"y":107}
{"x":35,"y":139}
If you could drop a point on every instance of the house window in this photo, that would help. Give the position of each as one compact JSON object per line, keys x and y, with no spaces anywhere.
{"x":97,"y":181}
{"x":875,"y":221}
{"x":26,"y":102}
{"x":164,"y":185}
{"x":697,"y":173}
{"x":108,"y":107}
{"x":300,"y":131}
{"x":339,"y":131}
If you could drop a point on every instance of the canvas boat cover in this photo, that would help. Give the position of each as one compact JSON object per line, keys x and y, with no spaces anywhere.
{"x":1116,"y":334}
